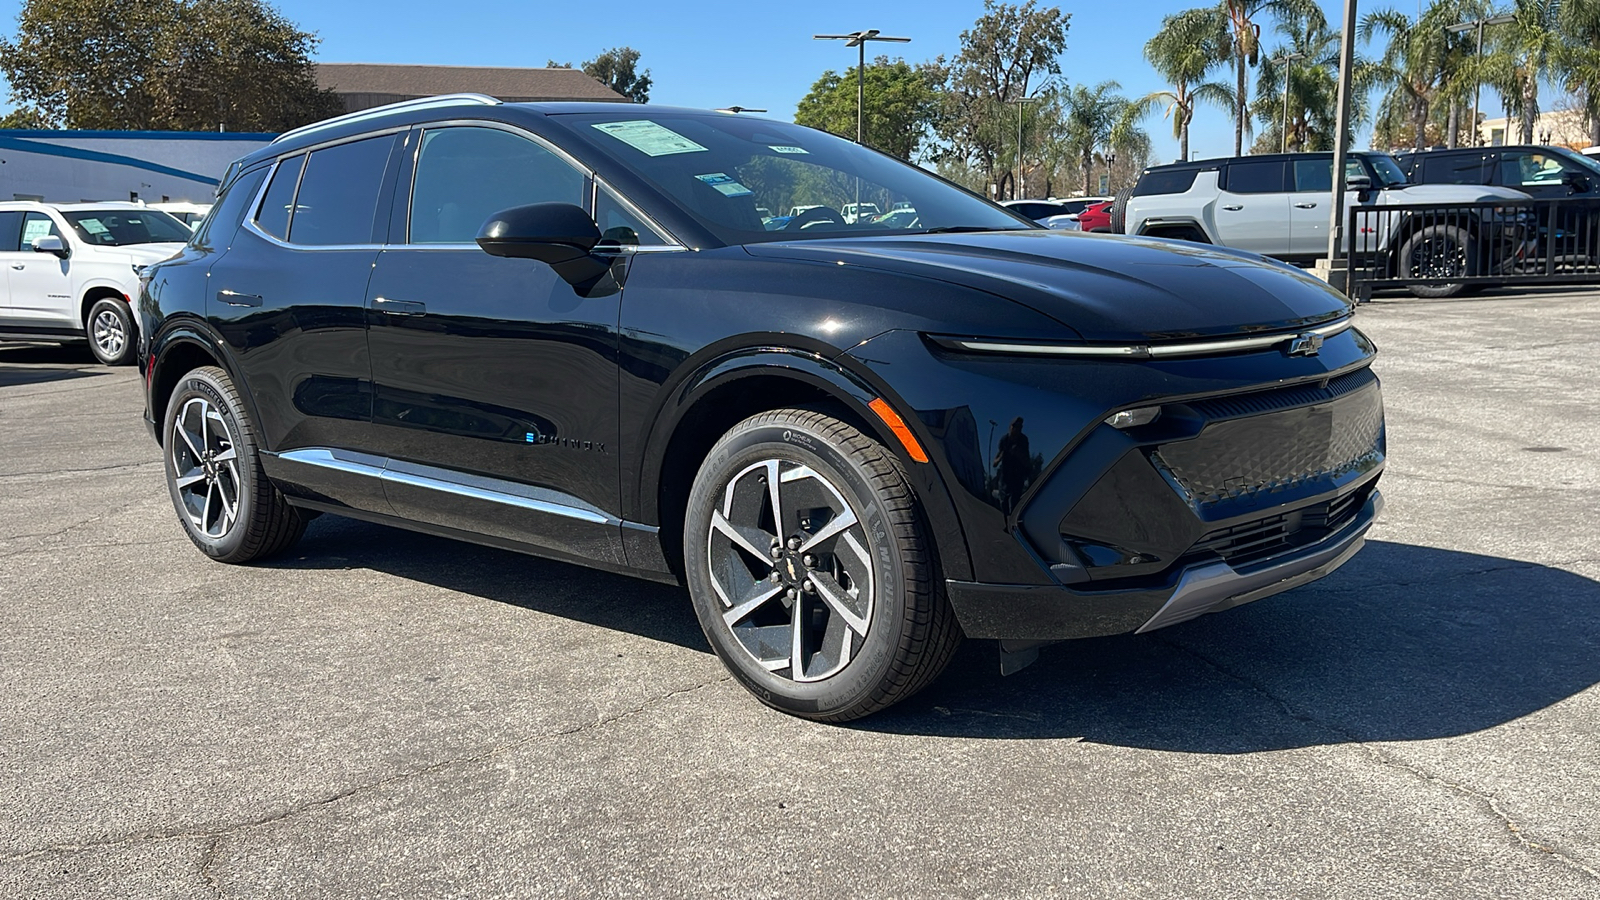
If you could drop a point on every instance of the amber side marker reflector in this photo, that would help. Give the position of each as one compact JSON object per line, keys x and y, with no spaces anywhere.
{"x":898,"y":426}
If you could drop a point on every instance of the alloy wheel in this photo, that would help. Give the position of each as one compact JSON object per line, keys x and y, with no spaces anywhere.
{"x":789,"y":560}
{"x":109,"y":333}
{"x":206,"y":462}
{"x":1439,"y":258}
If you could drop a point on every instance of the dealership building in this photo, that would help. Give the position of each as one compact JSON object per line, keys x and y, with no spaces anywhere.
{"x":157,"y":166}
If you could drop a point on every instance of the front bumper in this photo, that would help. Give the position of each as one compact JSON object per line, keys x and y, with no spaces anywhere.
{"x":1049,"y":612}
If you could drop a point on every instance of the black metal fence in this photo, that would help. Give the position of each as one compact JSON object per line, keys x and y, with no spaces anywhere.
{"x":1446,"y":248}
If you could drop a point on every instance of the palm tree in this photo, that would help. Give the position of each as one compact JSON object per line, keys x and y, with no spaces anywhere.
{"x":1098,"y":120}
{"x":1524,"y":50}
{"x":1580,"y":65}
{"x":1313,"y":87}
{"x":1245,"y":40}
{"x":1422,"y":65}
{"x":1188,"y":46}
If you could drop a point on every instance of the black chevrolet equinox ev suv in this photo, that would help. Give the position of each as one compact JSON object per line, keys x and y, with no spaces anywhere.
{"x":577,"y":330}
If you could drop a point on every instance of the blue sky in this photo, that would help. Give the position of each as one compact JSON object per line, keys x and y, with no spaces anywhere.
{"x":754,"y":53}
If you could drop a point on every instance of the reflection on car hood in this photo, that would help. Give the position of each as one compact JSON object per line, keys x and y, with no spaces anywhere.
{"x":1107,"y":288}
{"x":1450,"y":193}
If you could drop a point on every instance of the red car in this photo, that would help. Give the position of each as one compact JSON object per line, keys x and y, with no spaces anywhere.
{"x":1096,"y":218}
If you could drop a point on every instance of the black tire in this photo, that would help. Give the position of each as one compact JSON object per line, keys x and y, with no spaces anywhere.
{"x":110,"y":330}
{"x":202,"y":474}
{"x":1445,"y":250}
{"x":857,"y":655}
{"x":1119,"y":211}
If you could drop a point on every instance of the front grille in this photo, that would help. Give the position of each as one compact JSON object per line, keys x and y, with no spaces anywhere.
{"x":1253,"y":541}
{"x":1244,"y":457}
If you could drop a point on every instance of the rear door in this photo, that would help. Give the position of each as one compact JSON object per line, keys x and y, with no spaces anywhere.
{"x":10,"y":255}
{"x":1252,"y":210}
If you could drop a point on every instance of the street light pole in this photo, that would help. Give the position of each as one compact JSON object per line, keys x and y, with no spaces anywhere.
{"x":1288,"y":69}
{"x":1477,"y":82}
{"x":859,"y":40}
{"x":1016,"y":187}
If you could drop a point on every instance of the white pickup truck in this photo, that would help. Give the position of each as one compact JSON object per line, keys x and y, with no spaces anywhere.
{"x":72,"y":269}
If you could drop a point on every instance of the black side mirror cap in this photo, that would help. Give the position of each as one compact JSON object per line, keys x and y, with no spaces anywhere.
{"x":552,"y":233}
{"x":1358,"y":183}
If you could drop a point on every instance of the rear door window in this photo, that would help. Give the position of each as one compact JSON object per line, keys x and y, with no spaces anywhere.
{"x":1455,"y":169}
{"x":466,"y":174}
{"x":337,"y":204}
{"x":1256,"y":177}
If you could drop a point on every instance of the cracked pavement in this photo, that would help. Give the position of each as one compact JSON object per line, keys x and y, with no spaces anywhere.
{"x":385,"y":714}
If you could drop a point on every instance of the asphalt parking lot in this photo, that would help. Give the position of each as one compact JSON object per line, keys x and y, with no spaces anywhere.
{"x":383,"y":714}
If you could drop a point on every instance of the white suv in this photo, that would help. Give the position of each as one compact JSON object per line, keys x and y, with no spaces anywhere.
{"x":71,"y":270}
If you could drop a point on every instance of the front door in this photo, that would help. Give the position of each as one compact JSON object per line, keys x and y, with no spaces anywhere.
{"x":495,"y":380}
{"x":1310,"y":205}
{"x":40,"y":283}
{"x":1253,"y":208}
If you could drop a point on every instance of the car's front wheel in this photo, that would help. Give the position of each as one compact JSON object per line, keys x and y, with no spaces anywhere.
{"x":810,"y":568}
{"x":224,"y":500}
{"x":109,"y":328}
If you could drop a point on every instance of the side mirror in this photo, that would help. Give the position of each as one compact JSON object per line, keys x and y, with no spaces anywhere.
{"x":553,"y":233}
{"x":1577,"y":181}
{"x":51,"y":244}
{"x":1358,"y":182}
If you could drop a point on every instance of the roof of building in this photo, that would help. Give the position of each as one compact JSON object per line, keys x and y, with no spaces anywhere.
{"x":509,"y":84}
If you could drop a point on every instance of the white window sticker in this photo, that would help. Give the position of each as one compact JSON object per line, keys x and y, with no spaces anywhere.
{"x":724,"y":183}
{"x":649,"y":138}
{"x":36,"y":228}
{"x":776,"y":148}
{"x":94,"y":226}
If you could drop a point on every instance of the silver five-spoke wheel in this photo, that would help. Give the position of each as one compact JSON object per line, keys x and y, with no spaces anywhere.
{"x":206,"y":462}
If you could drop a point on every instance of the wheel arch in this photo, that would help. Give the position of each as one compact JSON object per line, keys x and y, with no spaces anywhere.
{"x":96,"y":292}
{"x":178,"y":348}
{"x":734,"y":386}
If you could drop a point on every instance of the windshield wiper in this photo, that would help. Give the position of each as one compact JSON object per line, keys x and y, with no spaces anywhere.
{"x":967,"y":229}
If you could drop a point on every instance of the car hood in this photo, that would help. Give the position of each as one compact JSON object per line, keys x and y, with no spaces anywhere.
{"x":145,"y":254}
{"x":1450,"y":193}
{"x":1105,"y":287}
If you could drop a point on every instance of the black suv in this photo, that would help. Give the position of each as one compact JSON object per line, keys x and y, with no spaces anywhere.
{"x":567,"y":329}
{"x":1540,"y":172}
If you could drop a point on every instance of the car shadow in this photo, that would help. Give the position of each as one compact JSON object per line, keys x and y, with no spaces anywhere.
{"x":1403,"y":643}
{"x":655,"y":611}
{"x":40,"y":364}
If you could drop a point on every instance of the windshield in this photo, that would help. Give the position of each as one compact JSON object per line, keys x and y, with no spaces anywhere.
{"x":1578,"y":159}
{"x":1388,"y":171}
{"x":121,"y":227}
{"x":732,"y":173}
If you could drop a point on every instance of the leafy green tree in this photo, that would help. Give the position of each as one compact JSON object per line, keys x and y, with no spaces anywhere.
{"x":1524,"y":51}
{"x":617,"y":69}
{"x":1189,"y":45}
{"x":1580,"y":64}
{"x":1422,"y":68}
{"x":1313,"y":83}
{"x":1098,"y":122}
{"x":900,"y":105}
{"x":164,"y":64}
{"x":1245,"y":31}
{"x":1004,"y":56}
{"x":25,"y":118}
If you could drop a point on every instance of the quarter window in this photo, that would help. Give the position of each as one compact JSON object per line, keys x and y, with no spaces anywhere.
{"x":223,"y":221}
{"x":338,"y":198}
{"x":1169,"y":181}
{"x":10,"y":232}
{"x":466,"y":174}
{"x":617,"y":223}
{"x":1453,"y":169}
{"x":273,"y":217}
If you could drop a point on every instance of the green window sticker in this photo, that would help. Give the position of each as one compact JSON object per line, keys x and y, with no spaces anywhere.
{"x":94,"y":226}
{"x":725,"y":183}
{"x":649,"y":138}
{"x":778,"y":148}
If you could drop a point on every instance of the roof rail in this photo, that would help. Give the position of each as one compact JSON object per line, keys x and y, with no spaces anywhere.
{"x":443,"y":100}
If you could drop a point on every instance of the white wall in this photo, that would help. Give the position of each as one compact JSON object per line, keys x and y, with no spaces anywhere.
{"x":73,"y":166}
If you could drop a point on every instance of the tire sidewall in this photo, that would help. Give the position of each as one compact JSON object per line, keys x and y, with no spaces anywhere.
{"x":121,"y":310}
{"x":200,"y":383}
{"x":1456,"y":237}
{"x":872,"y":663}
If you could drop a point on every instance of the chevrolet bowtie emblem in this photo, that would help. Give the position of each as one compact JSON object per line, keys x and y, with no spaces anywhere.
{"x":1308,"y":344}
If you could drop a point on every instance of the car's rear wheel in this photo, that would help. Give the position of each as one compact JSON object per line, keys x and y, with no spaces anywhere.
{"x":223,"y":498}
{"x":109,"y":328}
{"x":1119,"y":211}
{"x":1438,"y":252}
{"x":810,"y":568}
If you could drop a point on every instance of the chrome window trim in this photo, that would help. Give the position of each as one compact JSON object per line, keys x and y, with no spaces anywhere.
{"x":261,"y":194}
{"x":421,"y":103}
{"x":668,"y":240}
{"x":1141,"y":351}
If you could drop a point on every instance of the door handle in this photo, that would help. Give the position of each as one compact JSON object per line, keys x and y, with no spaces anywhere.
{"x":1305,"y":206}
{"x":234,"y":298}
{"x":1233,"y":208}
{"x":400,"y":307}
{"x":20,"y":266}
